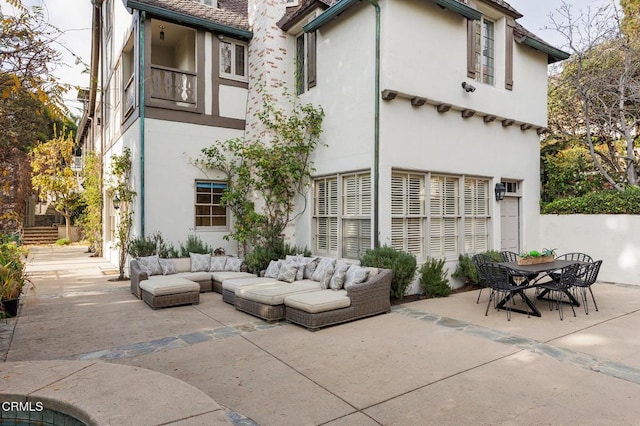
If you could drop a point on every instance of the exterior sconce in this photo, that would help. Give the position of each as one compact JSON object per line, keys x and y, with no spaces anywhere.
{"x":161,"y":32}
{"x":500,"y":190}
{"x":389,"y":95}
{"x":116,"y":202}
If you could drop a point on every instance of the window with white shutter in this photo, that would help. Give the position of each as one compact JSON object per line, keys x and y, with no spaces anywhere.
{"x":326,"y":216}
{"x":408,"y":212}
{"x":356,"y":215}
{"x":444,"y":216}
{"x":476,"y":215}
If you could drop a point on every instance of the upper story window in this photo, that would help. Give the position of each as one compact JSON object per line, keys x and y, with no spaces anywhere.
{"x":305,"y":62}
{"x":233,"y":60}
{"x":485,"y":51}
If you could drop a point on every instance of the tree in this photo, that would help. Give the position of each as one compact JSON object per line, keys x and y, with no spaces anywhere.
{"x":273,"y":174}
{"x":596,"y":96}
{"x":91,"y":219}
{"x":53,"y":176}
{"x":123,"y":197}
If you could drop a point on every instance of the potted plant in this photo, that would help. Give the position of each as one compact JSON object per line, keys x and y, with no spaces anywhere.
{"x":534,"y":257}
{"x":12,"y":276}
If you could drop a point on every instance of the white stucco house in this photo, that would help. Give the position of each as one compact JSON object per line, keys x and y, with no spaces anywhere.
{"x":430,"y":106}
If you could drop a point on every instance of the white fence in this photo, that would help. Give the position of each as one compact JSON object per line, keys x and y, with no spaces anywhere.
{"x":615,"y":239}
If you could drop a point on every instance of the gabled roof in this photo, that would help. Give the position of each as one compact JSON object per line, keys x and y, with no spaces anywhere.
{"x":295,"y":13}
{"x":458,"y":6}
{"x":231,"y":16}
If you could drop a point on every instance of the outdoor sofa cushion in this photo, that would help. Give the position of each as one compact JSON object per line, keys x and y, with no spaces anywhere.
{"x":274,"y":293}
{"x":221,"y":276}
{"x":193,"y":276}
{"x":166,"y":286}
{"x":318,"y":301}
{"x":231,"y":284}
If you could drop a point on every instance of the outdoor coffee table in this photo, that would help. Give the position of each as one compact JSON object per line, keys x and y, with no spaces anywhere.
{"x":528,"y":271}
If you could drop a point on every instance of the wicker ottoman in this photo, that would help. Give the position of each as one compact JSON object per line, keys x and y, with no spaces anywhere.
{"x":170,"y":292}
{"x":266,"y":300}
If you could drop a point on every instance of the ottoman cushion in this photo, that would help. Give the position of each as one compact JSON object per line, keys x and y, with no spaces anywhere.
{"x":168,"y":286}
{"x":318,"y":301}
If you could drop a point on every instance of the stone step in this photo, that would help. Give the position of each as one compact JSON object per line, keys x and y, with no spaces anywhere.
{"x":40,"y":235}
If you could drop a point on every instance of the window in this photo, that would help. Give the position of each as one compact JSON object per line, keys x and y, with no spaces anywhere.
{"x":326,"y":216}
{"x":342,"y":214}
{"x":356,"y":215}
{"x":476,"y":215}
{"x":485,"y":51}
{"x":408,"y":213}
{"x":444,"y":215}
{"x":453,"y":219}
{"x":305,"y":62}
{"x":233,"y":60}
{"x":209,"y":211}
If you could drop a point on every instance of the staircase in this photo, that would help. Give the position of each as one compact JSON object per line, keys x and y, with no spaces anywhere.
{"x":39,"y":235}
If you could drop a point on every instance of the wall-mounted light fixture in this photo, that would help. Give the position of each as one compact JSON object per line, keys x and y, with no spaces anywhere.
{"x":389,"y":95}
{"x":161,"y":32}
{"x":220,"y":37}
{"x":468,"y":87}
{"x":116,"y":202}
{"x":500,"y":190}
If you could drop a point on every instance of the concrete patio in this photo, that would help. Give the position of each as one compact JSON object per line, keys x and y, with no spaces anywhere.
{"x":436,"y":361}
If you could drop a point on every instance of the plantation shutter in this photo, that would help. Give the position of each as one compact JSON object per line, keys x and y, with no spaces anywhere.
{"x":444,"y":216}
{"x":476,"y":212}
{"x":356,"y":223}
{"x":326,"y":212}
{"x":311,"y":59}
{"x":508,"y":77}
{"x":471,"y":44}
{"x":407,"y":209}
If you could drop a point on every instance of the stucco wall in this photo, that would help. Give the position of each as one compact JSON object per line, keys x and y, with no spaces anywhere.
{"x":610,"y":238}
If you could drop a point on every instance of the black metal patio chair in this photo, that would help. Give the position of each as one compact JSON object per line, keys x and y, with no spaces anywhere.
{"x":561,"y":285}
{"x":587,"y":276}
{"x":479,"y":259}
{"x":498,"y":280}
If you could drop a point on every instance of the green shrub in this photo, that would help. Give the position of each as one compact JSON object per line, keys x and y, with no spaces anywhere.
{"x":602,"y":202}
{"x":194,"y":245}
{"x":466,"y":270}
{"x":63,"y":242}
{"x":433,"y":279}
{"x":258,"y":259}
{"x":150,"y":245}
{"x":402,"y":264}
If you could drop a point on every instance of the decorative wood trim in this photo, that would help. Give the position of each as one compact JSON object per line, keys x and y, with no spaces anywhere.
{"x":467,"y":113}
{"x":508,"y":73}
{"x":507,"y":122}
{"x":443,"y":107}
{"x":525,"y":126}
{"x":489,"y":118}
{"x":418,"y":102}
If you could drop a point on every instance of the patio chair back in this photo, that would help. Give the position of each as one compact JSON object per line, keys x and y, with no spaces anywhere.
{"x":480,"y":259}
{"x":509,"y":256}
{"x":588,"y":274}
{"x":576,"y":257}
{"x":497,"y":277}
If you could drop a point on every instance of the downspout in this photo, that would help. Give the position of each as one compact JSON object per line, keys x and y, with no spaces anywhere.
{"x":376,"y":131}
{"x":141,"y":75}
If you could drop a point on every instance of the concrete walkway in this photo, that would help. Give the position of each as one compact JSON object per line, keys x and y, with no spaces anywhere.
{"x":436,"y":361}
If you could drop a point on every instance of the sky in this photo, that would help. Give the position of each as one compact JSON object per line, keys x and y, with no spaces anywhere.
{"x":73,"y":17}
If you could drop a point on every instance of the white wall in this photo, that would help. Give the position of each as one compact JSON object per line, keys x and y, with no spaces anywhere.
{"x":610,"y":238}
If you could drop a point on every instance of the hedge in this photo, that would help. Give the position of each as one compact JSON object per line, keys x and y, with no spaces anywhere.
{"x":602,"y":202}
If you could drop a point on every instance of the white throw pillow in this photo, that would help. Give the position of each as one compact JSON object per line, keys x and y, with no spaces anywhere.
{"x":200,"y":262}
{"x":339,"y":274}
{"x":356,"y":275}
{"x":310,"y":267}
{"x":218,"y":263}
{"x":150,"y":265}
{"x":233,"y":264}
{"x":167,"y":267}
{"x":288,"y":272}
{"x":324,"y":272}
{"x":273,"y":269}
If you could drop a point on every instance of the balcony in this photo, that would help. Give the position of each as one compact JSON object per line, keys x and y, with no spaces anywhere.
{"x":173,"y":85}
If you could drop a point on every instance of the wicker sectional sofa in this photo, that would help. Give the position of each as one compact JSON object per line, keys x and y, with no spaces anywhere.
{"x":168,"y":282}
{"x":313,"y":302}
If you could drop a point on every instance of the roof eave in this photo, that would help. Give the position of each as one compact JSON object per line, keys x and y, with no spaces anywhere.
{"x":554,"y":54}
{"x":191,"y":20}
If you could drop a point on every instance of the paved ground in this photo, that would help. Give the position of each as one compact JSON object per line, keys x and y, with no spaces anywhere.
{"x":437,"y":361}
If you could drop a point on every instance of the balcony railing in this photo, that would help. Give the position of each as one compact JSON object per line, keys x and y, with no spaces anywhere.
{"x":173,"y":85}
